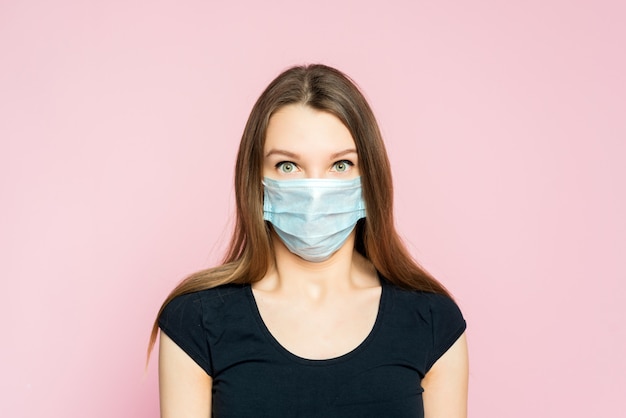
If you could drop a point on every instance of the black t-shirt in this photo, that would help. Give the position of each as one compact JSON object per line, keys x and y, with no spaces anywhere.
{"x":254,"y":376}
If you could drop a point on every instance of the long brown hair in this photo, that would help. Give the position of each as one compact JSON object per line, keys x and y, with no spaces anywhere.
{"x":250,"y":252}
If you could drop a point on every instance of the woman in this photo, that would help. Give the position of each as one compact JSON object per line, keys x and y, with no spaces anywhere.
{"x":318,"y":309}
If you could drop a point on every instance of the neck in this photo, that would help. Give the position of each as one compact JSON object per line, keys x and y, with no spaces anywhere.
{"x":345,"y":270}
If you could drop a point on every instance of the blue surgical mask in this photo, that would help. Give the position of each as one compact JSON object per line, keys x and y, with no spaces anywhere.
{"x":313,"y":217}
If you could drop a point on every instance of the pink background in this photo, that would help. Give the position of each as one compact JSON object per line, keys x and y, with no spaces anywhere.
{"x":505,"y":123}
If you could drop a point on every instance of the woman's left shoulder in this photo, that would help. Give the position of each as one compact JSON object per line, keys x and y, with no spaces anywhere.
{"x":434,"y":318}
{"x":434,"y":308}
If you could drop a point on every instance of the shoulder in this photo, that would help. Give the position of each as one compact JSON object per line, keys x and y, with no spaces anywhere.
{"x":429,"y":317}
{"x":426,"y":304}
{"x":196,"y":307}
{"x":217,"y":293}
{"x":190,"y":319}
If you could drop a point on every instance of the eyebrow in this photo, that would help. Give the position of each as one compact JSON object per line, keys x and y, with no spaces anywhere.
{"x":292,"y":155}
{"x":281,"y":152}
{"x":342,"y":153}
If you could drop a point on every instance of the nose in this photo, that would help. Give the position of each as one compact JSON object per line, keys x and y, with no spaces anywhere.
{"x":316,"y":173}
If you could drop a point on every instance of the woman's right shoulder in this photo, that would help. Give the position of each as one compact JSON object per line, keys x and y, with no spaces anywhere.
{"x":191,"y":318}
{"x":211,"y":297}
{"x":187,"y":318}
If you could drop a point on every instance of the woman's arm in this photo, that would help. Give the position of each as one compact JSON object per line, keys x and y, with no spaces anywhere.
{"x":184,"y":387}
{"x":445,"y":384}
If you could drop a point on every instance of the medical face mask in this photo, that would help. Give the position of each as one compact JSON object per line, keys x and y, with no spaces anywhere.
{"x":313,"y":217}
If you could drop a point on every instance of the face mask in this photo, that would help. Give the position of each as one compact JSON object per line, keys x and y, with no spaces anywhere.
{"x":313,"y":217}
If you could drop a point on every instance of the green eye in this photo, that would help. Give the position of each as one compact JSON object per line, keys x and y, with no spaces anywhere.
{"x":342,"y":166}
{"x":286,"y":166}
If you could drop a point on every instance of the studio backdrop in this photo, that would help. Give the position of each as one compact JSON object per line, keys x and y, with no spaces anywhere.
{"x":505,"y":126}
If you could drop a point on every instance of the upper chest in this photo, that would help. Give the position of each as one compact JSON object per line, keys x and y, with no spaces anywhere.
{"x":320,"y":329}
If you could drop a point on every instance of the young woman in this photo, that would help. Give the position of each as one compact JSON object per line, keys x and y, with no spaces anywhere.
{"x":318,"y":309}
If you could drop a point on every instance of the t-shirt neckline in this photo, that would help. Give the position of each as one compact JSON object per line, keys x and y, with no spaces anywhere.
{"x":320,"y":362}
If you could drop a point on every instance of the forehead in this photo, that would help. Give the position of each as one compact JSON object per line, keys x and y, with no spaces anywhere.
{"x":301,"y":128}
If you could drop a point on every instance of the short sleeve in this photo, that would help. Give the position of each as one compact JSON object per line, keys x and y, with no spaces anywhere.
{"x":182,"y":321}
{"x":447,"y":324}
